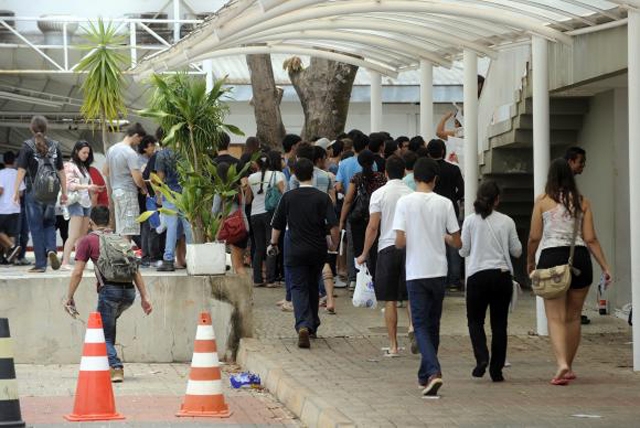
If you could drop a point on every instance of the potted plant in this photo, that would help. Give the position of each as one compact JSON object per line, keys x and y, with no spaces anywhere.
{"x":193,"y":120}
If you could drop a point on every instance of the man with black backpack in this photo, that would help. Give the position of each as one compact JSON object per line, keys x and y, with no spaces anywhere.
{"x":40,"y":161}
{"x":116,"y":269}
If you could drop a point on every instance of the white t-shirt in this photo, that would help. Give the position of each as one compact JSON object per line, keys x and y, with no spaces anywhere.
{"x":384,"y":201}
{"x":7,"y":182}
{"x":425,"y":218}
{"x":257,"y":204}
{"x":482,"y":250}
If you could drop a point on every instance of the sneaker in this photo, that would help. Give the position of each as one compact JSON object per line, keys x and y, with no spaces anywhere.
{"x":338,"y":283}
{"x":54,"y":261}
{"x":287,"y":307}
{"x":303,"y":338}
{"x":13,"y":253}
{"x":352,"y":285}
{"x":117,"y":374}
{"x":22,"y":262}
{"x":37,"y":270}
{"x":167,"y":266}
{"x":433,"y":385}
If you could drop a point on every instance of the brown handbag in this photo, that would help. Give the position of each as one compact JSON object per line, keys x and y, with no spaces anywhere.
{"x":553,"y":282}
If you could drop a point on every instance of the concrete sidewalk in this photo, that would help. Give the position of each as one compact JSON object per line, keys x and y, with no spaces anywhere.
{"x":344,"y":380}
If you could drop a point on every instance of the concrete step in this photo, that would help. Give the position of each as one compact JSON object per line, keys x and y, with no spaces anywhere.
{"x":522,"y":138}
{"x":559,"y":106}
{"x":561,"y":122}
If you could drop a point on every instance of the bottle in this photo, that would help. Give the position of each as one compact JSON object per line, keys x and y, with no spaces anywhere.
{"x":65,"y":212}
{"x":602,"y":298}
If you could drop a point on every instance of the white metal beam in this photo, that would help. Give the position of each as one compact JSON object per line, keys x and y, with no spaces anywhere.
{"x":541,"y":141}
{"x":376,"y":101}
{"x":470,"y":124}
{"x":426,"y":99}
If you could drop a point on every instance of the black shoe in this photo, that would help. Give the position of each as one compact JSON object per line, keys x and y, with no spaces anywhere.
{"x":497,"y":377}
{"x":303,"y":338}
{"x":584,"y":320}
{"x":479,"y":370}
{"x":54,"y":261}
{"x":13,"y":253}
{"x":433,"y":385}
{"x":166,"y":267}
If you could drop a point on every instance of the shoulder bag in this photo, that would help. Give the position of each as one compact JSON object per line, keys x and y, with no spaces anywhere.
{"x":553,"y":282}
{"x":273,"y":195}
{"x":360,"y":209}
{"x":517,"y":290}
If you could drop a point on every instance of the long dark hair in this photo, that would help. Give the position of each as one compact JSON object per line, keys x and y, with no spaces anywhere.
{"x":486,"y":198}
{"x":275,"y":160}
{"x":263,"y":164}
{"x":82,"y":166}
{"x":562,"y":188}
{"x":38,"y":128}
{"x":366,"y":159}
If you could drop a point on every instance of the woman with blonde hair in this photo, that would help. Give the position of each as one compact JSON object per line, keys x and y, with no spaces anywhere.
{"x":554,"y":217}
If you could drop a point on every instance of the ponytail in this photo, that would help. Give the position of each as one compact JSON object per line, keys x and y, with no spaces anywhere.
{"x":263,"y":164}
{"x":488,"y":193}
{"x":38,"y":128}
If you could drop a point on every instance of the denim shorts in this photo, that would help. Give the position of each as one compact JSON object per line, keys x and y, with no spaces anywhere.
{"x":77,"y":210}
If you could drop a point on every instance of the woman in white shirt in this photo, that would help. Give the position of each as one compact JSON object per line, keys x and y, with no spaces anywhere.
{"x":260,"y":184}
{"x":489,"y":238}
{"x":79,"y":189}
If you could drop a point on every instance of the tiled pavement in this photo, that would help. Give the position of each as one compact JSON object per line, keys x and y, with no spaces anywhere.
{"x":346,"y":376}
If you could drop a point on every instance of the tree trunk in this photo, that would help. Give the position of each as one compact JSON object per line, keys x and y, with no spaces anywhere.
{"x":324,"y":89}
{"x":266,"y":101}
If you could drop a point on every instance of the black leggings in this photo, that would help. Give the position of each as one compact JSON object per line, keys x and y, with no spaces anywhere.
{"x":493,"y":289}
{"x":261,"y":227}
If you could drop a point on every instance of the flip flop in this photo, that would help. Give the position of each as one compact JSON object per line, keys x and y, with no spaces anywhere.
{"x":389,"y":354}
{"x":559,"y":381}
{"x":330,"y":311}
{"x":570,"y":376}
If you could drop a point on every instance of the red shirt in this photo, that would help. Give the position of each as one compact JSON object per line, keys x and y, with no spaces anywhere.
{"x":96,"y":178}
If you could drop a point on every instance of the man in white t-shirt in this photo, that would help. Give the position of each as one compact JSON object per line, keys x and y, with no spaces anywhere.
{"x":389,"y":281}
{"x":424,"y":223}
{"x":9,"y":210}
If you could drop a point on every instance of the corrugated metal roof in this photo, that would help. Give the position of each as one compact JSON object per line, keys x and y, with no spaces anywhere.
{"x":236,"y":68}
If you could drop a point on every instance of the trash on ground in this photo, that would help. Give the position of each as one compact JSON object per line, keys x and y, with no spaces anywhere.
{"x":245,"y":379}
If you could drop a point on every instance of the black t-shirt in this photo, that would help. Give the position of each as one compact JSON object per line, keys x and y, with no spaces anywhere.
{"x":28,"y":162}
{"x":227,"y":159}
{"x":309,"y":213}
{"x":450,"y":183}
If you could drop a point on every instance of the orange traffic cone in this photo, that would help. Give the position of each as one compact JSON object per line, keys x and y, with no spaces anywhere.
{"x":94,"y":394}
{"x":204,"y":390}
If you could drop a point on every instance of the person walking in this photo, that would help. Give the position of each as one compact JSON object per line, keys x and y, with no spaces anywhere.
{"x":390,"y":278}
{"x":361,"y":186}
{"x":125,"y":181}
{"x":9,"y":211}
{"x":39,"y":159}
{"x":113,"y":297}
{"x":554,"y":216}
{"x":307,"y":213}
{"x":80,"y":188}
{"x":489,"y":240}
{"x":425,"y":223}
{"x":258,"y":190}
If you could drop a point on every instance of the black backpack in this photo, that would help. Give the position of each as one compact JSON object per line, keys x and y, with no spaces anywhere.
{"x":45,"y":186}
{"x":360,"y":209}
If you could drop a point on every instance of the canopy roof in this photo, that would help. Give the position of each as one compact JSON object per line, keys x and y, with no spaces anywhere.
{"x":388,"y":36}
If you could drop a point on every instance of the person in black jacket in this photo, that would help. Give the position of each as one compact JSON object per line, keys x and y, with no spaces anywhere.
{"x":450,"y":184}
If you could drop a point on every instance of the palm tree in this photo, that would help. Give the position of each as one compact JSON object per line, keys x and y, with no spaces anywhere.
{"x":102,"y":87}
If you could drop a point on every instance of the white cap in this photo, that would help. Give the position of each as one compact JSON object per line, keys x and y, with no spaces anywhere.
{"x":323,"y":142}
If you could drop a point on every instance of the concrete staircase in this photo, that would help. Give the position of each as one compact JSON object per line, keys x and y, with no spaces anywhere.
{"x":509,"y":160}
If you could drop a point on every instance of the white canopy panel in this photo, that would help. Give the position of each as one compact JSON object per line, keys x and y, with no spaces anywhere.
{"x":387,"y":36}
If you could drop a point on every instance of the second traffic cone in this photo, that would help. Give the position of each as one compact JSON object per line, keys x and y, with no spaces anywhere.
{"x":9,"y":400}
{"x":204,"y":396}
{"x":94,"y":394}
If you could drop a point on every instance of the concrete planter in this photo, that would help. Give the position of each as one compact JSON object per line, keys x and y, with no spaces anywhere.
{"x":206,"y":259}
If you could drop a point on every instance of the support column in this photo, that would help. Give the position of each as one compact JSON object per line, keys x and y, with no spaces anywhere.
{"x":207,"y":66}
{"x":176,"y":16}
{"x":132,"y":42}
{"x":376,"y":101}
{"x":470,"y":63}
{"x":426,"y":99}
{"x":634,"y":173}
{"x":541,"y":141}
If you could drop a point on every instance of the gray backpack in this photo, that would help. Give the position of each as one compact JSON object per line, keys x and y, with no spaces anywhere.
{"x":45,"y":186}
{"x":117,"y":262}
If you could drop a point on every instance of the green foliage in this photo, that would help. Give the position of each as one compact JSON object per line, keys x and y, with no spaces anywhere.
{"x":104,"y":81}
{"x":193,"y":120}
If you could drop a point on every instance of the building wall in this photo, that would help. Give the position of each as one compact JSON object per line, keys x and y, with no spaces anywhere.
{"x":605,"y":182}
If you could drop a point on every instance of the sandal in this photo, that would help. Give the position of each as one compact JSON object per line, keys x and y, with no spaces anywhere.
{"x":330,"y":311}
{"x":570,"y":376}
{"x":559,"y":381}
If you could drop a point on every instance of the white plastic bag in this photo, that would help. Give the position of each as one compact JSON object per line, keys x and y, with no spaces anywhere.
{"x":364,"y":295}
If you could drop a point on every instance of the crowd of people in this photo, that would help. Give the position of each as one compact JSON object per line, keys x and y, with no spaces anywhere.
{"x":319,"y":210}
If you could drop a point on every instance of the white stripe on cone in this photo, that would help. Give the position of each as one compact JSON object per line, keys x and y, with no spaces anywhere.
{"x":94,"y":364}
{"x":205,"y":332}
{"x":204,"y":387}
{"x":205,"y":360}
{"x":94,"y":335}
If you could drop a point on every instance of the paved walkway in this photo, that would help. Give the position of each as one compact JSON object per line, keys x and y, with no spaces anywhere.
{"x":345,"y":379}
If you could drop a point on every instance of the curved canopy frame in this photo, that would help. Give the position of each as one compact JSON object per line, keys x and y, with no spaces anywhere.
{"x":387,"y":35}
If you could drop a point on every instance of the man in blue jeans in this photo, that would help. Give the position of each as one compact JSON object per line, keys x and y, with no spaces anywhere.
{"x":113,"y":299}
{"x":307,"y":213}
{"x":425,"y":223}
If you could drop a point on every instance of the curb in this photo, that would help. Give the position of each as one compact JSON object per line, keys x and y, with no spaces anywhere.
{"x":313,"y":411}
